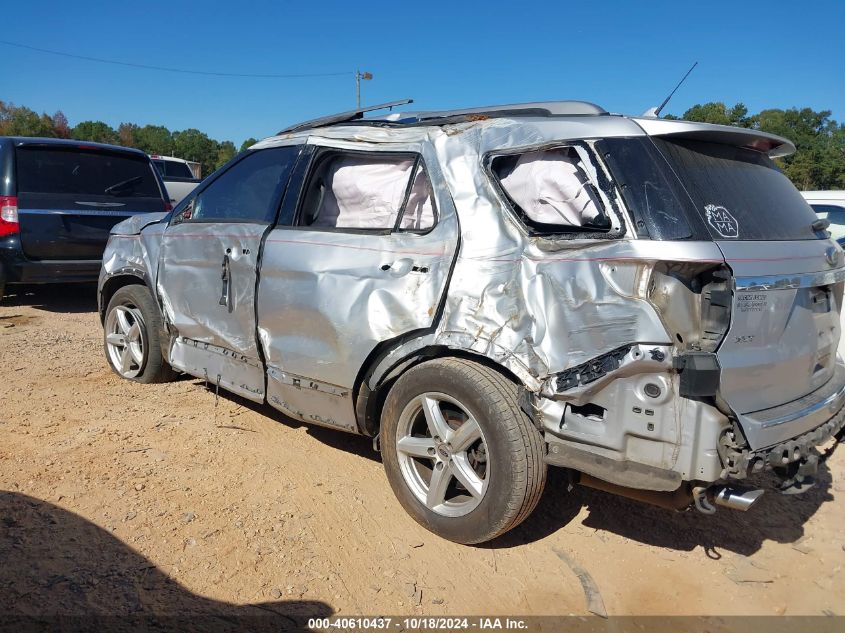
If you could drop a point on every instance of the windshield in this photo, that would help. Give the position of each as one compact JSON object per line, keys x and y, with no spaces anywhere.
{"x":739,"y":193}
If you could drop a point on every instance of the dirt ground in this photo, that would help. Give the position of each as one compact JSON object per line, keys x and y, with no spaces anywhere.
{"x":118,"y":497}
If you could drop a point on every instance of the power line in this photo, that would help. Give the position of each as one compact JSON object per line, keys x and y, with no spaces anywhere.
{"x":175,"y":70}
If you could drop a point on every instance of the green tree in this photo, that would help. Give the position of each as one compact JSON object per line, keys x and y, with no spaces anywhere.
{"x":191,"y":144}
{"x":21,"y":121}
{"x":819,"y":160}
{"x":225,"y":152}
{"x":718,"y":112}
{"x":154,"y":139}
{"x":95,"y":131}
{"x":248,"y":143}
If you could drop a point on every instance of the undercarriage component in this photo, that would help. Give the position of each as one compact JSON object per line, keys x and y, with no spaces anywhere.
{"x":677,"y":499}
{"x":704,"y":498}
{"x":626,"y":474}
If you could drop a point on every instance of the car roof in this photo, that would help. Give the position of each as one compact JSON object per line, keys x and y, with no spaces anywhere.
{"x":172,"y":159}
{"x":437,"y":117}
{"x":833,"y":195}
{"x":562,"y":110}
{"x":19,"y":141}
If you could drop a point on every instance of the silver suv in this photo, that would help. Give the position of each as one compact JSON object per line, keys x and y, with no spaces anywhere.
{"x":647,"y":303}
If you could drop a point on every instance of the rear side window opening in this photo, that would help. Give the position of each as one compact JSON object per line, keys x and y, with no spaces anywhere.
{"x":739,"y":193}
{"x":558,"y":190}
{"x":74,"y":171}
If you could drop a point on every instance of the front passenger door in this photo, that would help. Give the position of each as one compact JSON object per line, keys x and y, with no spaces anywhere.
{"x":207,"y":270}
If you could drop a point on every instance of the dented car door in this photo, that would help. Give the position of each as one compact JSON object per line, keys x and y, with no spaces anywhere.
{"x":208,"y":270}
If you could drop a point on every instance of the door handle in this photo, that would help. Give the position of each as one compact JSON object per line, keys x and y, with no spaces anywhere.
{"x":403,"y":266}
{"x":226,"y":278}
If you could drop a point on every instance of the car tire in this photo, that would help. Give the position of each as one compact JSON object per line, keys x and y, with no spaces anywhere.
{"x":132,"y":336}
{"x":496,"y":473}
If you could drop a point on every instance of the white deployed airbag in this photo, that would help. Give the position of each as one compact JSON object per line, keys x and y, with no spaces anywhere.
{"x":550,"y":188}
{"x":364,"y":192}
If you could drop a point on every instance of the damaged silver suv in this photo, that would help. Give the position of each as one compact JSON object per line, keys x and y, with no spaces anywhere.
{"x":647,"y":303}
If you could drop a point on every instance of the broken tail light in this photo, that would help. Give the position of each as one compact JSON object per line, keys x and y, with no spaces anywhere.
{"x":9,"y":223}
{"x":694,"y":303}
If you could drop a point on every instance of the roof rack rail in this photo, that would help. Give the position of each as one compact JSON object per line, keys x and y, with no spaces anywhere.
{"x":342,"y":117}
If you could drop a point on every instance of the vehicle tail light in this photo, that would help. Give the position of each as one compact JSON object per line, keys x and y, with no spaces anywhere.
{"x":9,"y":224}
{"x":168,"y":206}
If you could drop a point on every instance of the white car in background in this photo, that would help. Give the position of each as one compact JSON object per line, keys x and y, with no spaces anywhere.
{"x":831,"y":206}
{"x":180,"y":176}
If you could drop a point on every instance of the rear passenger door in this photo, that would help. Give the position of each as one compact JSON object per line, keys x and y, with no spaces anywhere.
{"x":363,"y":259}
{"x":207,"y":270}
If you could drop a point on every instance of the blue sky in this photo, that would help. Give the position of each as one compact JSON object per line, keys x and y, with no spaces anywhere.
{"x":625,"y":56}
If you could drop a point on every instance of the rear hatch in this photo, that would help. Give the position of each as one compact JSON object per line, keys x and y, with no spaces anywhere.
{"x":781,"y":344}
{"x":70,"y":196}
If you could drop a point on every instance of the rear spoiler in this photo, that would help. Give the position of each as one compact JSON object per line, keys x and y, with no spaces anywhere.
{"x":774,"y":146}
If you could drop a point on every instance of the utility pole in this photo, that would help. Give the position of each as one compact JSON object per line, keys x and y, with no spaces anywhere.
{"x":358,"y":77}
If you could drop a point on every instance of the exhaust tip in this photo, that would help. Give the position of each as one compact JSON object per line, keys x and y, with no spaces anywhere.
{"x":736,"y":498}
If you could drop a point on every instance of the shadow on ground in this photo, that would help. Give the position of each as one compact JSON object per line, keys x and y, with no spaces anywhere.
{"x":775,"y":517}
{"x":68,"y":298}
{"x":55,"y":563}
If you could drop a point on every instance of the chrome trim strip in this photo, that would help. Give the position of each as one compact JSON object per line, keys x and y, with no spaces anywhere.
{"x":123,"y":213}
{"x":100,"y":204}
{"x":833,"y":402}
{"x":790,"y":282}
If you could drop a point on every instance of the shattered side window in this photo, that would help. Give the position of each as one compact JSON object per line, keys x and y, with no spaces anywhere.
{"x":552,"y":188}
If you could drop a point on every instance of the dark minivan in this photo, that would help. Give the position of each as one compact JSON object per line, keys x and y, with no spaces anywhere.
{"x":58,"y":201}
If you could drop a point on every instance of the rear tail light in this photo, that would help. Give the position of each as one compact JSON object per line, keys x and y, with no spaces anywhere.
{"x":9,"y":216}
{"x":168,"y":206}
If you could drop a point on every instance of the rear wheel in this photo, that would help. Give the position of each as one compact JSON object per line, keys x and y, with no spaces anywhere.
{"x":132,"y":336}
{"x":460,"y":455}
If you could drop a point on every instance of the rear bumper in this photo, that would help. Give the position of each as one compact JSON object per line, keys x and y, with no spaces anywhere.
{"x":778,"y":425}
{"x":740,"y":462}
{"x":16,"y":268}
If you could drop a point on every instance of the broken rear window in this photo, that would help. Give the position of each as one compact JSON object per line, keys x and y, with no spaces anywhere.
{"x":553,"y":189}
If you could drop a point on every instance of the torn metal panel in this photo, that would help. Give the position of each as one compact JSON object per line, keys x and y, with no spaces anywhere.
{"x":310,"y":400}
{"x":219,"y":366}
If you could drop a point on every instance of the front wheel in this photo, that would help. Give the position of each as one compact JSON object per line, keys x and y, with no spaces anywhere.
{"x":132,"y":336}
{"x":461,"y":456}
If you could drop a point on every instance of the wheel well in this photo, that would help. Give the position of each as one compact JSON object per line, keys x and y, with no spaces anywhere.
{"x":369,"y":403}
{"x":112,"y":285}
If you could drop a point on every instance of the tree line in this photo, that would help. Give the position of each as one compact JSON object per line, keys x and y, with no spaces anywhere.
{"x":818,"y":163}
{"x":190,"y":144}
